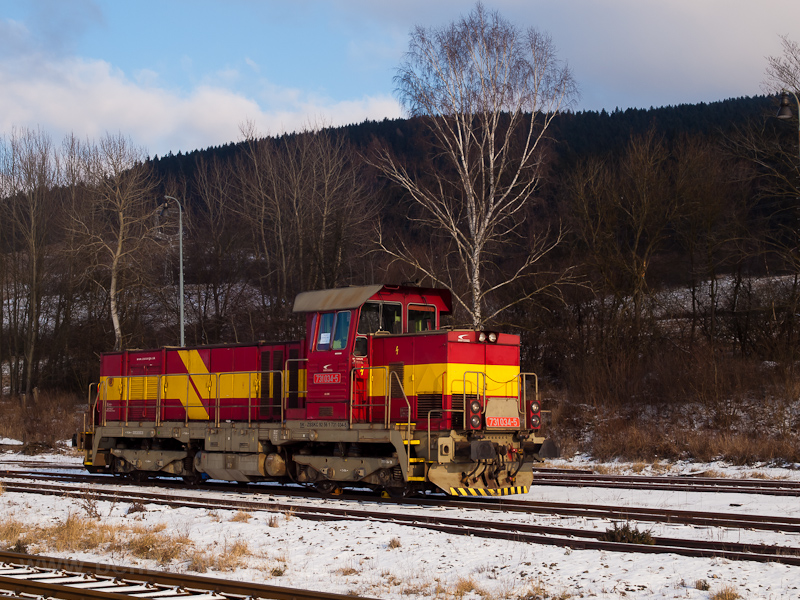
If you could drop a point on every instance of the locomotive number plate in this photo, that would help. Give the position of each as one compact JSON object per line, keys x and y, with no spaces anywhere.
{"x":327,"y":378}
{"x":502,"y":421}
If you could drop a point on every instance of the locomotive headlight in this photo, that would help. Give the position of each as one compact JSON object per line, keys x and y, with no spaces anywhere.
{"x":493,"y":337}
{"x":481,"y":337}
{"x":535,"y":421}
{"x":535,"y":408}
{"x":475,"y":406}
{"x":475,"y":421}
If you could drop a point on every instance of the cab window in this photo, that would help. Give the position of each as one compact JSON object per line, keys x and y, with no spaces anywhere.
{"x":325,"y":331}
{"x":334,"y":329}
{"x":380,"y":316}
{"x":421,"y":317}
{"x":370,"y":319}
{"x":340,"y":330}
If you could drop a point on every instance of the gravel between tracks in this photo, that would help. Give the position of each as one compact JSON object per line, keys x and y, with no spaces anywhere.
{"x":394,"y":561}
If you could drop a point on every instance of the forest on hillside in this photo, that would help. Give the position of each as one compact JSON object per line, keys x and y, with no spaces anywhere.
{"x":677,"y":233}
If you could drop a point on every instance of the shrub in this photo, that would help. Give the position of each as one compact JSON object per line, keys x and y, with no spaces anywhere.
{"x":628,"y":535}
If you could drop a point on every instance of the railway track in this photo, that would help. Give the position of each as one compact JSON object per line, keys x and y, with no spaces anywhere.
{"x":771,"y":487}
{"x":48,"y":577}
{"x":471,"y":526}
{"x":504,"y":504}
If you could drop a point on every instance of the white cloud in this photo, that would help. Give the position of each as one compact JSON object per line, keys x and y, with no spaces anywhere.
{"x":91,"y":97}
{"x":252,"y":64}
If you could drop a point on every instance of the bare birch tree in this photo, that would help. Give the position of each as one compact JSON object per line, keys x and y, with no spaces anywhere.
{"x":116,"y":225}
{"x":488,"y":92}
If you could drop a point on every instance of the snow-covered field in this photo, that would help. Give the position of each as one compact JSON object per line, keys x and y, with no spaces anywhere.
{"x":395,"y":561}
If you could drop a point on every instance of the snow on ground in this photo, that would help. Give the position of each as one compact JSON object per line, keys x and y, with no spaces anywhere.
{"x":396,"y":561}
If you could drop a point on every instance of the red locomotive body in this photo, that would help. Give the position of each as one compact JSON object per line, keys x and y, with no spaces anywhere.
{"x":376,"y":395}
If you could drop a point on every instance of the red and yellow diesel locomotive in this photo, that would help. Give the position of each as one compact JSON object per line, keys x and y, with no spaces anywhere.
{"x":377,"y":395}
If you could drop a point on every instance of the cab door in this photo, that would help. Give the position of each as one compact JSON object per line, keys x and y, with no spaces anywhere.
{"x":329,"y":364}
{"x":362,"y":409}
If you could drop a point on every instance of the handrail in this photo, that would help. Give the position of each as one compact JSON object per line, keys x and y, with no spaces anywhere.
{"x":92,"y":405}
{"x":213,"y":382}
{"x":522,"y":396}
{"x":389,"y":415}
{"x":285,"y":384}
{"x":369,"y":389}
{"x":442,"y":410}
{"x":478,"y":394}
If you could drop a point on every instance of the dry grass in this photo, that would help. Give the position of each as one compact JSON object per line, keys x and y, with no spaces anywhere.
{"x":537,"y":592}
{"x":726,"y":593}
{"x":394,"y":543}
{"x":46,"y":418}
{"x":241,"y":516}
{"x":12,"y":531}
{"x":77,"y":533}
{"x":229,"y":558}
{"x":467,"y":585}
{"x":645,"y":438}
{"x":233,"y":556}
{"x":152,"y":544}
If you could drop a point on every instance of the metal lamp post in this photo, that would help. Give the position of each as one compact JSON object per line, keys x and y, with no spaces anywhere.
{"x":180,"y":253}
{"x":785,"y":111}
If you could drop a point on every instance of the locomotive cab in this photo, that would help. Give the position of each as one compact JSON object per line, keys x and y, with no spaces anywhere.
{"x":378,"y":359}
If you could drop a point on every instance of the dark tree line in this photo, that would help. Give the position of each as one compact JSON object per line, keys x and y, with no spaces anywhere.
{"x":681,"y":239}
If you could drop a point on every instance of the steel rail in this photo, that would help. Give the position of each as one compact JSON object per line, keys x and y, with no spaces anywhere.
{"x":135,"y":578}
{"x":504,"y":504}
{"x":769,"y":487}
{"x":543,"y":534}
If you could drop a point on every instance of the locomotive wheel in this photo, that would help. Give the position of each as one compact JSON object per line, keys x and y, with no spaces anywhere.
{"x":139,"y":476}
{"x":193,"y":480}
{"x":396,"y":492}
{"x":328,"y":488}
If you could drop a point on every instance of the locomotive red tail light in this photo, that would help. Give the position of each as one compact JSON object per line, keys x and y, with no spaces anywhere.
{"x":475,"y":407}
{"x":475,"y":421}
{"x":536,"y":419}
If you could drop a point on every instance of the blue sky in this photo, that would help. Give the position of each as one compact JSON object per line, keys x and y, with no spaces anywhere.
{"x":185,"y":74}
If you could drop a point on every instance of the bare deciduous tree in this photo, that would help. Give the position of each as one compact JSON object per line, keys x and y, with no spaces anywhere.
{"x":307,"y":203}
{"x":218,"y":250}
{"x":622,"y":214}
{"x":488,"y":93}
{"x":116,"y":224}
{"x":32,"y":173}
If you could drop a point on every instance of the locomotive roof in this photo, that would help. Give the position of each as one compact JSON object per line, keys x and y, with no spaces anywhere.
{"x":335,"y":299}
{"x":355,"y":296}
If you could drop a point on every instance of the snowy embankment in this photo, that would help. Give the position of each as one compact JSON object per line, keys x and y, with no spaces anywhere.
{"x":396,"y":561}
